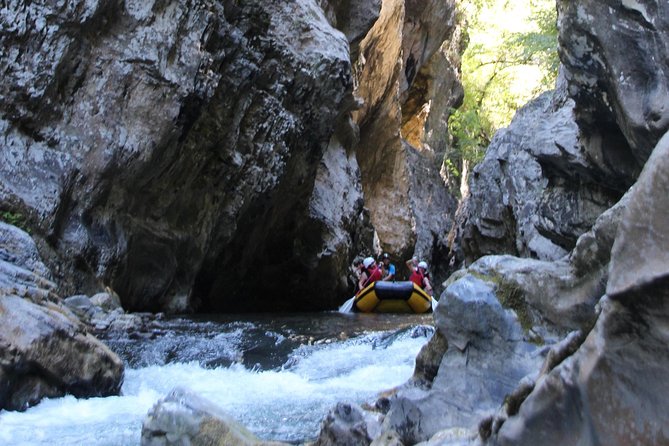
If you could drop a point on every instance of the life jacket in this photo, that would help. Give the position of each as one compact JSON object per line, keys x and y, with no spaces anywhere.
{"x":373,"y":275}
{"x":418,"y":278}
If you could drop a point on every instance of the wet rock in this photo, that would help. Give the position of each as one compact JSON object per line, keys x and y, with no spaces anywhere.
{"x":347,"y":424}
{"x":183,"y":417}
{"x":45,"y":354}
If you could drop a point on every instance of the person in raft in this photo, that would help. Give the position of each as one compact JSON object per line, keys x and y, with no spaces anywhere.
{"x":419,"y":274}
{"x":369,"y":273}
{"x":387,"y":268}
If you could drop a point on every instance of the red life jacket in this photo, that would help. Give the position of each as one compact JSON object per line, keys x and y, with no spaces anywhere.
{"x":374,"y":275}
{"x":418,"y":278}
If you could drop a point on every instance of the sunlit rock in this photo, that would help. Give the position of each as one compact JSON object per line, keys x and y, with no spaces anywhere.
{"x":536,"y":191}
{"x":404,"y":98}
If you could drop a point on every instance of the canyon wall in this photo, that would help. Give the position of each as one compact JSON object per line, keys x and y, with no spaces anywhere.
{"x":223,"y":156}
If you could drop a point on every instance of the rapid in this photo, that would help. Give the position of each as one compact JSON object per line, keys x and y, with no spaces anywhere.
{"x":278,"y":375}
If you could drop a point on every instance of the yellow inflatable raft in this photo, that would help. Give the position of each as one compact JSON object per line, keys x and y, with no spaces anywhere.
{"x":392,"y":297}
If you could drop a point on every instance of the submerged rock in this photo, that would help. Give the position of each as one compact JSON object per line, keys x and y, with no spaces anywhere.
{"x":183,"y":417}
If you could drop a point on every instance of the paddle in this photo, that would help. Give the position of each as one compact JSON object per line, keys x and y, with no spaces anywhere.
{"x":347,"y":306}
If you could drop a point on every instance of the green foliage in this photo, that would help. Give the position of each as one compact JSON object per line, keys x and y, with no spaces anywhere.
{"x":511,"y":57}
{"x":15,"y":219}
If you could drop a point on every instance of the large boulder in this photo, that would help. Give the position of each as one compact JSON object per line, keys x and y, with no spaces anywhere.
{"x":44,"y":350}
{"x":536,"y":191}
{"x":478,"y":355}
{"x":43,"y":353}
{"x":611,"y":391}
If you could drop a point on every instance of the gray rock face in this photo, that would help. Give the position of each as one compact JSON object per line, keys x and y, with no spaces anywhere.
{"x":486,"y":358}
{"x":640,"y":254}
{"x":547,"y":177}
{"x":611,"y":390}
{"x":191,"y":155}
{"x":166,"y":147}
{"x":536,"y":191}
{"x":183,"y":417}
{"x":45,"y":354}
{"x":616,"y":62}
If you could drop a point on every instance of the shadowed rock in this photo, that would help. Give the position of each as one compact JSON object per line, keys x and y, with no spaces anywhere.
{"x":611,"y":390}
{"x":44,"y":350}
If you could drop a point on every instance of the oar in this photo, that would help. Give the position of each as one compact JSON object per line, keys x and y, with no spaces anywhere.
{"x":347,"y":306}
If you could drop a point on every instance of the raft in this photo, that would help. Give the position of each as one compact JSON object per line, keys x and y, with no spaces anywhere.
{"x":392,"y":297}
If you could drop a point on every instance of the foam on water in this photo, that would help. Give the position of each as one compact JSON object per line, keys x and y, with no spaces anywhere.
{"x":282,"y":404}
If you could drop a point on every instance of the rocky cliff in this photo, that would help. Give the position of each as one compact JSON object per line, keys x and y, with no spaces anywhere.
{"x":224,"y":155}
{"x":563,"y":342}
{"x":567,"y":158}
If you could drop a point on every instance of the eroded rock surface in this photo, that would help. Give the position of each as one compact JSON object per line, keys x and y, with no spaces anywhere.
{"x":44,"y":350}
{"x":178,"y":152}
{"x":610,"y":391}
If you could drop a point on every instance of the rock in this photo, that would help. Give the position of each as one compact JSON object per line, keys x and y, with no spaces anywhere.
{"x":393,"y":72}
{"x":157,"y":205}
{"x":640,"y":253}
{"x":45,"y":354}
{"x":429,"y":359}
{"x":22,"y":271}
{"x":108,"y":301}
{"x":536,"y":191}
{"x":82,"y":306}
{"x":615,"y":56}
{"x":611,"y":391}
{"x":185,"y":208}
{"x":576,"y":281}
{"x":485,"y":360}
{"x":183,"y":417}
{"x":347,"y":424}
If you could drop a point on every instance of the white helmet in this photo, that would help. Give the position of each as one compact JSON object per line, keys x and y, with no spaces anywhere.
{"x":422,"y":265}
{"x":368,"y":262}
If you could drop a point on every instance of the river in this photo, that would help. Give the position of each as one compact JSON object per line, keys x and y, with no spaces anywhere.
{"x":279,"y":375}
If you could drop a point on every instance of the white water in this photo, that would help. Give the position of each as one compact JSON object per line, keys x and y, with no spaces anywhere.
{"x":284,"y":404}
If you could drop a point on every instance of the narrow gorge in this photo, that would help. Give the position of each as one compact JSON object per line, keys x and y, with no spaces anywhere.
{"x":167,"y":157}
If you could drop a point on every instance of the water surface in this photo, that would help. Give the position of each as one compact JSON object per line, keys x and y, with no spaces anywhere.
{"x":277,"y":374}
